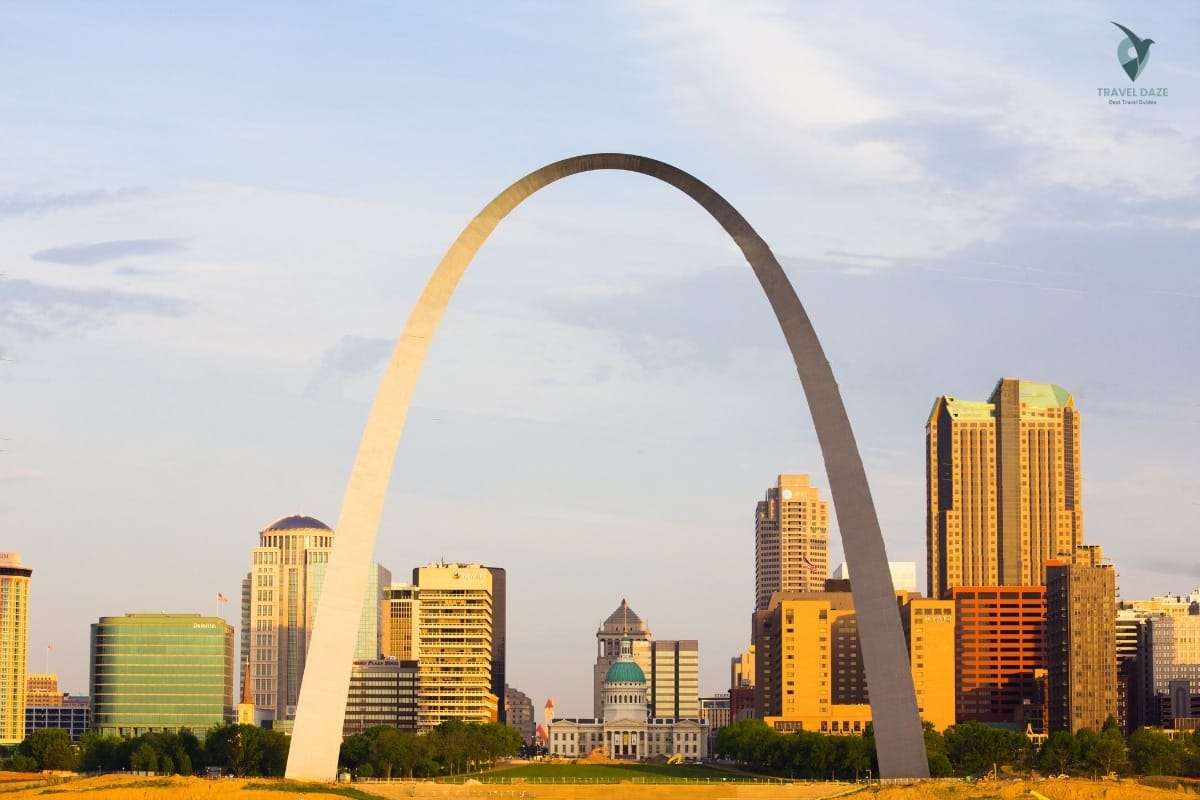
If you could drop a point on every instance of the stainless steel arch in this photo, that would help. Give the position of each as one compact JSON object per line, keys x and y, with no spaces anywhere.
{"x":321,"y":709}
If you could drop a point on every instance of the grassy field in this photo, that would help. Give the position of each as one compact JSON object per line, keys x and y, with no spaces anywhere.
{"x":614,"y":773}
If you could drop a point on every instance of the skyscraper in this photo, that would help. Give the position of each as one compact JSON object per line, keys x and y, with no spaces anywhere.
{"x":280,"y":595}
{"x":278,"y":601}
{"x":14,"y":633}
{"x":455,"y":635}
{"x":401,"y":605}
{"x":1003,"y":486}
{"x":791,"y":540}
{"x":1081,"y":642}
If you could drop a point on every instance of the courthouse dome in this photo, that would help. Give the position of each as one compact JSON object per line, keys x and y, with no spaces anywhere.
{"x":297,"y":522}
{"x":625,"y":672}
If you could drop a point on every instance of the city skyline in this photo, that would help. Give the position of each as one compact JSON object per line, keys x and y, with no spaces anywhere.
{"x":204,"y":272}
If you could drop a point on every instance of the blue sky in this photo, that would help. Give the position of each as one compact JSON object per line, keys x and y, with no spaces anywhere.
{"x":214,"y":220}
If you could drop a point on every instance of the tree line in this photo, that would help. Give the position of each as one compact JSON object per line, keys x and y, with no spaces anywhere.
{"x":450,"y":748}
{"x":242,"y":750}
{"x":247,"y":750}
{"x":966,"y":749}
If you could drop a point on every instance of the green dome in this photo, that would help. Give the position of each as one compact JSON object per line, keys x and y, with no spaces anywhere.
{"x":625,"y":672}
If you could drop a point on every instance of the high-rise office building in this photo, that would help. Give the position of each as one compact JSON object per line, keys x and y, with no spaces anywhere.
{"x":14,"y":644}
{"x":1003,"y":486}
{"x":1081,"y":642}
{"x":160,"y":673}
{"x":1000,"y":636}
{"x":401,"y":605}
{"x":280,"y":596}
{"x":278,"y":602}
{"x":455,"y":634}
{"x":791,"y":540}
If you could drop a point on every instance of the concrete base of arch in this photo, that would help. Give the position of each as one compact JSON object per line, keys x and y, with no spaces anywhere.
{"x":317,"y":733}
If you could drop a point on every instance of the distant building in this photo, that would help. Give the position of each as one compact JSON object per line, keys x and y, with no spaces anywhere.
{"x":14,"y":647}
{"x":715,"y":710}
{"x":1003,"y":486}
{"x":904,"y":575}
{"x":791,"y":540}
{"x":455,"y":636}
{"x":674,"y":678}
{"x":160,"y":673}
{"x":622,"y":624}
{"x":741,"y":669}
{"x":1000,"y":636}
{"x":1169,"y":656}
{"x":72,"y":714}
{"x":1081,"y":647}
{"x":809,"y":664}
{"x":1136,"y":706}
{"x":518,"y":710}
{"x":625,"y":731}
{"x":401,"y":606}
{"x":41,"y":689}
{"x":47,"y":707}
{"x":382,"y":691}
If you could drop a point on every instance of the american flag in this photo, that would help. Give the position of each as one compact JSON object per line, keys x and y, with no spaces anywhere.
{"x":222,"y":598}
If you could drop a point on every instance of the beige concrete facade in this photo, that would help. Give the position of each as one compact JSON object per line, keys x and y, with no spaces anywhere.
{"x":14,"y":645}
{"x":791,"y":540}
{"x":315,"y":745}
{"x":454,"y":638}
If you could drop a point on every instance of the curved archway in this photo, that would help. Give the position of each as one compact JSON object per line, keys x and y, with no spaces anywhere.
{"x":321,"y":707}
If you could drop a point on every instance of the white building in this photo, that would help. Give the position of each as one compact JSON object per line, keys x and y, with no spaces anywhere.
{"x":625,"y":730}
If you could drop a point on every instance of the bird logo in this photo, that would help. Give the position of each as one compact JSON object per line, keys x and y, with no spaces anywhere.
{"x":1132,"y":52}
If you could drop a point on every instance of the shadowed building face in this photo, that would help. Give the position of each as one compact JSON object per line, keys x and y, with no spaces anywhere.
{"x":316,"y":736}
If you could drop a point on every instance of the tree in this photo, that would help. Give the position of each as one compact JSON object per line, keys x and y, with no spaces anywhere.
{"x":975,"y":748}
{"x":1108,"y":753}
{"x":1151,"y":752}
{"x":1059,"y":753}
{"x":235,"y":748}
{"x":50,"y":748}
{"x":386,"y":750}
{"x":99,"y":753}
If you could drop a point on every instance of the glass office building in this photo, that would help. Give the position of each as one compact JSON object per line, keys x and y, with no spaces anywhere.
{"x":160,"y":672}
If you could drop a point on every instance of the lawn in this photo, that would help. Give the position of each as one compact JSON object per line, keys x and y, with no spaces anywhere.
{"x":614,"y":773}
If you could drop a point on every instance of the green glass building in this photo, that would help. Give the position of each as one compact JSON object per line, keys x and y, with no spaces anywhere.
{"x":160,"y":672}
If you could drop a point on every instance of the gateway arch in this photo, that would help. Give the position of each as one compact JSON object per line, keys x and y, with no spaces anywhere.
{"x":317,"y":733}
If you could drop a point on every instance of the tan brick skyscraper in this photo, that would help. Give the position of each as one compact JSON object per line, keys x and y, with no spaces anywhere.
{"x":791,"y":540}
{"x":1003,"y":486}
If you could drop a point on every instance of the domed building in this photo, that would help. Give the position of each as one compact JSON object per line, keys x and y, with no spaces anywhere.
{"x":624,"y":730}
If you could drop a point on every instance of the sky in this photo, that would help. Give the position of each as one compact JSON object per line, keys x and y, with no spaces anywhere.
{"x":216,"y":217}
